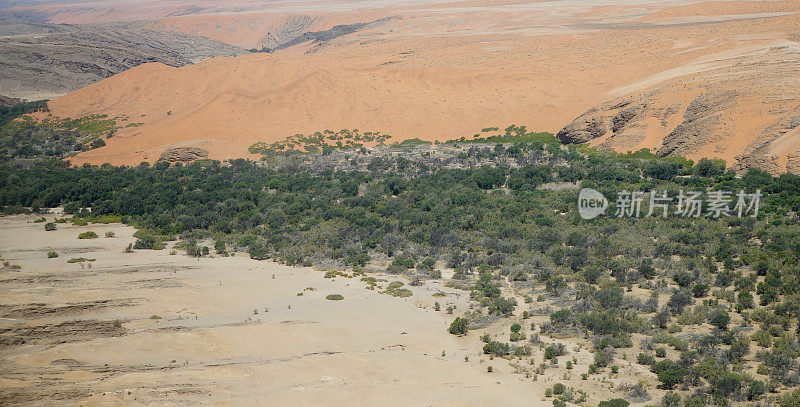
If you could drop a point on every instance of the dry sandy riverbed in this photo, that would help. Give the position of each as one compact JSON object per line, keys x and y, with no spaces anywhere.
{"x":60,"y":342}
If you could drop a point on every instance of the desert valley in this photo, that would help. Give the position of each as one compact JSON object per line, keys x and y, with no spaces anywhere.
{"x":401,"y":203}
{"x":700,"y":79}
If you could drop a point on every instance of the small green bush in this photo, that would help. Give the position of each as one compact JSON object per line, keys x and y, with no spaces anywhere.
{"x":334,"y":297}
{"x":459,"y":326}
{"x":614,"y":403}
{"x":402,"y":293}
{"x":88,"y":235}
{"x":496,"y":348}
{"x":79,"y":221}
{"x":52,"y":255}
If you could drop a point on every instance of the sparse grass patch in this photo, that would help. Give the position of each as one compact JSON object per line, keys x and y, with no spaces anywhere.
{"x":394,"y":289}
{"x":79,"y":260}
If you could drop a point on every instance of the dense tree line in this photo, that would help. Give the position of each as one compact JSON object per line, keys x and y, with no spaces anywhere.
{"x":496,"y":227}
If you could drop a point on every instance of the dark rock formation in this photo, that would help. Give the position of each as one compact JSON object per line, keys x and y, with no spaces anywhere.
{"x":583,"y":129}
{"x":700,"y":120}
{"x":46,"y":60}
{"x":183,"y":154}
{"x":742,"y":109}
{"x":327,"y":35}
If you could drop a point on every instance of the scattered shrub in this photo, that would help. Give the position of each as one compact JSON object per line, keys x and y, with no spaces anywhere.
{"x":459,"y":326}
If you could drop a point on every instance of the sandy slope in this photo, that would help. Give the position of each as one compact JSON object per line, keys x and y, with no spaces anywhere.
{"x":740,"y":105}
{"x":210,"y":347}
{"x":234,"y":331}
{"x":447,"y":70}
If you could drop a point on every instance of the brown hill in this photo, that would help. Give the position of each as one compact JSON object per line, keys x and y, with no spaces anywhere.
{"x":43,"y":60}
{"x":742,"y":105}
{"x":712,"y":83}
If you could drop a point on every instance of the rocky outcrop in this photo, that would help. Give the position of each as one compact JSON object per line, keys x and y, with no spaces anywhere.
{"x":623,"y":117}
{"x":616,"y":118}
{"x":45,"y":60}
{"x":778,"y":146}
{"x":742,"y":109}
{"x":183,"y":154}
{"x":583,"y":129}
{"x":284,"y":40}
{"x":7,"y":101}
{"x":285,"y":31}
{"x":588,"y":126}
{"x":700,"y":121}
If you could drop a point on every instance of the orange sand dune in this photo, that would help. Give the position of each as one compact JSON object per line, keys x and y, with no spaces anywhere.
{"x":226,"y":105}
{"x":725,"y":8}
{"x":437,"y":72}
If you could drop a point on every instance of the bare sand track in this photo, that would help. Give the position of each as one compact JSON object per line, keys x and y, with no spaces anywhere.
{"x":74,"y":335}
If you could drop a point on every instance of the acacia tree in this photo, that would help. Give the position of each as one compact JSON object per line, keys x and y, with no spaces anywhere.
{"x":459,"y":326}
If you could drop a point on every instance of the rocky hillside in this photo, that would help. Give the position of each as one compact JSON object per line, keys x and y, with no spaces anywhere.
{"x":714,"y":80}
{"x":47,"y":60}
{"x":327,"y":35}
{"x":741,"y":106}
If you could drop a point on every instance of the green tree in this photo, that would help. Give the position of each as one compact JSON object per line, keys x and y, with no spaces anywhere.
{"x":671,"y":400}
{"x":614,"y":403}
{"x":459,"y":326}
{"x":258,"y":251}
{"x":646,"y":268}
{"x":496,"y":348}
{"x":719,"y":318}
{"x":669,"y":373}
